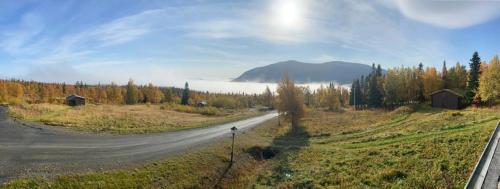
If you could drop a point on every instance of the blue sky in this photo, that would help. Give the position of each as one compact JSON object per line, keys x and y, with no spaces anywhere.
{"x":166,"y":42}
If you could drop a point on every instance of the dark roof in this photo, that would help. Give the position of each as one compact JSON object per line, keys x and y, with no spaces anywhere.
{"x":447,"y":90}
{"x":74,"y":96}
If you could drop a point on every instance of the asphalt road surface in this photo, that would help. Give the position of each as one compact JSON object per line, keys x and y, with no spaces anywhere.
{"x":28,"y":149}
{"x":493,"y":174}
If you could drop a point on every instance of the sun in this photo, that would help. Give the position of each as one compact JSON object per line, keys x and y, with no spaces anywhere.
{"x":288,"y":14}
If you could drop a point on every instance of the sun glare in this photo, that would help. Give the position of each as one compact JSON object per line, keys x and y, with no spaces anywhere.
{"x":288,"y":14}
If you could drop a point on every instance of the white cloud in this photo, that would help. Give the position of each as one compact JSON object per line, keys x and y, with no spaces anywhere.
{"x":127,"y":28}
{"x":366,"y":27}
{"x":450,"y":14}
{"x":27,"y":37}
{"x":116,"y":32}
{"x":20,"y":39}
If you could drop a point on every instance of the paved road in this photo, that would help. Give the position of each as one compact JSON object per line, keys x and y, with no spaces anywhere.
{"x":486,"y":174}
{"x":491,"y":180}
{"x":31,"y":149}
{"x":493,"y":174}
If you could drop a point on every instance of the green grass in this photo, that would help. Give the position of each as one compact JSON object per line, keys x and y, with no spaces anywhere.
{"x":127,"y":119}
{"x":405,"y":148}
{"x":426,"y":148}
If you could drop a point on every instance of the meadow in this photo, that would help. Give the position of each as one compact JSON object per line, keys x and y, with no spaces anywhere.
{"x":410,"y":147}
{"x":128,"y":119}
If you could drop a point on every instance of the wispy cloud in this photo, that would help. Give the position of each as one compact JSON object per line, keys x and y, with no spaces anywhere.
{"x":360,"y":26}
{"x":20,"y":39}
{"x":74,"y":47}
{"x":192,"y":39}
{"x":116,"y":32}
{"x":450,"y":14}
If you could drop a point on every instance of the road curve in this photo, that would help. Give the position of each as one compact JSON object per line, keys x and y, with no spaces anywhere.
{"x":32,"y":149}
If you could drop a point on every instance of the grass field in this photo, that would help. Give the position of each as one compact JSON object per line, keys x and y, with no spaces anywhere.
{"x":130,"y":119}
{"x":426,"y":148}
{"x":405,"y":148}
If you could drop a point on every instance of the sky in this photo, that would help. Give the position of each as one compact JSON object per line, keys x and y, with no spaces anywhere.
{"x":172,"y":41}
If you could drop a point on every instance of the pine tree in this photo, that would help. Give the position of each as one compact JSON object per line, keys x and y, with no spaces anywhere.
{"x":131,"y":96}
{"x":473,"y":82}
{"x":185,"y":95}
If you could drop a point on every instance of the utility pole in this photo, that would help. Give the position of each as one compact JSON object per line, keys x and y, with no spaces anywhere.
{"x":233,"y":131}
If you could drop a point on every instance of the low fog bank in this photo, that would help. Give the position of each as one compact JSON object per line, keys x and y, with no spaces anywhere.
{"x":221,"y":86}
{"x":160,"y":77}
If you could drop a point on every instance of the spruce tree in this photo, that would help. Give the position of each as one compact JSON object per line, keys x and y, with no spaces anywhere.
{"x":351,"y":94}
{"x":185,"y":95}
{"x":473,"y":82}
{"x":444,"y":76}
{"x":379,"y":71}
{"x":374,"y":96}
{"x":359,"y":94}
{"x":420,"y":83}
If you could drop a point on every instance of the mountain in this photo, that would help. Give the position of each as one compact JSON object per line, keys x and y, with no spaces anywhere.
{"x":338,"y":71}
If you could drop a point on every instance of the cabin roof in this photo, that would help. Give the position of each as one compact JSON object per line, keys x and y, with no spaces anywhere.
{"x":74,"y":96}
{"x":447,"y":90}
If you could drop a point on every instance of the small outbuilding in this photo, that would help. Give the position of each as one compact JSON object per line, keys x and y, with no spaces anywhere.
{"x":202,"y":104}
{"x":75,"y":100}
{"x":446,"y":98}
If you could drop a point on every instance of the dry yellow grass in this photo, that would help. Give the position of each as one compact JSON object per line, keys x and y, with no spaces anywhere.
{"x":123,"y":119}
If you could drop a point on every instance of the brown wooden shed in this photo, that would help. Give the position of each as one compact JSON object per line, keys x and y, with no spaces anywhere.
{"x":75,"y":100}
{"x":446,"y":98}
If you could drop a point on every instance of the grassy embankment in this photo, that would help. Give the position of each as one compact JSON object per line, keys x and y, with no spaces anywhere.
{"x":426,"y":148}
{"x":130,"y":119}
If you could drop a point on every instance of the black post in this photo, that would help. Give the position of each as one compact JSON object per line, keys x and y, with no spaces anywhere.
{"x":279,"y":123}
{"x":232,"y":150}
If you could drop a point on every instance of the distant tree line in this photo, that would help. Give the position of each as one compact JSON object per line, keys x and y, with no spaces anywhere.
{"x":398,"y":86}
{"x":408,"y":85}
{"x":18,"y":91}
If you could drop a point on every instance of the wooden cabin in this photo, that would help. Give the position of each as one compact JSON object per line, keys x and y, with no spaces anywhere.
{"x":75,"y":100}
{"x":446,"y":98}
